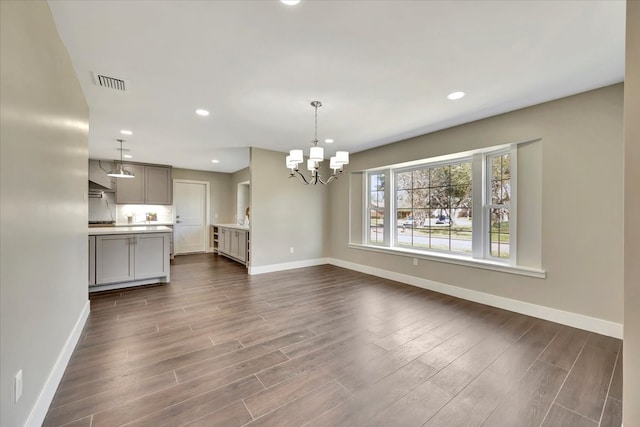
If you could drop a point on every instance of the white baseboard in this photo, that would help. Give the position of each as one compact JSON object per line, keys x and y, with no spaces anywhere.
{"x":568,"y":318}
{"x":39,"y":411}
{"x":287,"y":266}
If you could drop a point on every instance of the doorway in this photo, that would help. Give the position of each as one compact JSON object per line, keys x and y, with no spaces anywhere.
{"x":191,"y":199}
{"x":243,"y":202}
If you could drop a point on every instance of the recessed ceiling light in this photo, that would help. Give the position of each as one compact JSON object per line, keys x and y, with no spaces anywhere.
{"x":126,"y":132}
{"x":127,"y":156}
{"x":202,"y":112}
{"x":215,"y":161}
{"x":455,"y":95}
{"x":290,"y":2}
{"x":329,"y":141}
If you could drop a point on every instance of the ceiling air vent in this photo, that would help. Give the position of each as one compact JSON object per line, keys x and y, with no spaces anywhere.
{"x":111,"y":82}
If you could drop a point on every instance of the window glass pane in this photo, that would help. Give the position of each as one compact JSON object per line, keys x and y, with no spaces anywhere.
{"x":421,"y":178}
{"x":404,"y":199}
{"x":439,"y":176}
{"x":499,"y":227}
{"x":404,"y":234}
{"x":421,"y":198}
{"x":500,"y":179}
{"x":404,"y":180}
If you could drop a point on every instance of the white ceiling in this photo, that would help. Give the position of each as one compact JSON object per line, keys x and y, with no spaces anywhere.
{"x":381,"y":68}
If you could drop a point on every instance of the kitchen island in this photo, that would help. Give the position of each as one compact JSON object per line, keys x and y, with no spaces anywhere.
{"x":121,"y":257}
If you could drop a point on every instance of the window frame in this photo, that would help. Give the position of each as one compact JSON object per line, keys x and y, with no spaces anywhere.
{"x":480,"y":184}
{"x":367,"y":210}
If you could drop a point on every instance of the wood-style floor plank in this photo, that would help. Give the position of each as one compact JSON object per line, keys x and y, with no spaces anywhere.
{"x":528,"y":404}
{"x":585,"y":390}
{"x":325,"y":346}
{"x":562,"y":417}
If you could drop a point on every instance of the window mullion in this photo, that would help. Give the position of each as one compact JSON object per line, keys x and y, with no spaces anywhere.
{"x":389,"y":196}
{"x":479,"y":232}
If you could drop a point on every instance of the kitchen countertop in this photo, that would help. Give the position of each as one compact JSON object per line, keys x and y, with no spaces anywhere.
{"x":98,"y":231}
{"x":142,"y":223}
{"x":236,"y":226}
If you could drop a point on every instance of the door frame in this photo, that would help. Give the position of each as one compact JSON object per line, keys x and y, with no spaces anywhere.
{"x":207,"y":204}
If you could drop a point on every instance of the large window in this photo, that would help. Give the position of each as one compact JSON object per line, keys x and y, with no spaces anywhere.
{"x":431,"y":207}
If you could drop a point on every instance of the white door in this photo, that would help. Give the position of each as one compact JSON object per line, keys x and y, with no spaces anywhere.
{"x":190,"y":231}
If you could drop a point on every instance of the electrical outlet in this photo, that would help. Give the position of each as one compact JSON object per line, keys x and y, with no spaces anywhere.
{"x":18,"y":386}
{"x":415,"y":261}
{"x":291,"y":250}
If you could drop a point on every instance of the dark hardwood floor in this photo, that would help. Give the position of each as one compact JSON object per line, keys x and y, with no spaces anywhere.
{"x":325,"y":346}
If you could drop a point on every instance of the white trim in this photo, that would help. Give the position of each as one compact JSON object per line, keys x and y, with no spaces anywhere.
{"x":568,"y":318}
{"x":287,"y":266}
{"x":41,"y":407}
{"x":451,"y":258}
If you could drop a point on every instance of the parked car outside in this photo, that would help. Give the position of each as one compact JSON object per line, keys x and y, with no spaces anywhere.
{"x":409,"y":222}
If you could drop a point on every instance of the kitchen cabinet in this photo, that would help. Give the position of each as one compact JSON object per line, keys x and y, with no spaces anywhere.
{"x":232,"y":242}
{"x":131,"y":259}
{"x":152,"y":185}
{"x":92,"y":260}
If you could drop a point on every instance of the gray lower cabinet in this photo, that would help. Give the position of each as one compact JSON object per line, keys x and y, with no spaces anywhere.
{"x":233,"y":243}
{"x":131,"y":257}
{"x":152,"y":185}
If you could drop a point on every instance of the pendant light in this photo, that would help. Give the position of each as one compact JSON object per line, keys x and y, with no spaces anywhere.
{"x":119,"y":172}
{"x":316,"y":155}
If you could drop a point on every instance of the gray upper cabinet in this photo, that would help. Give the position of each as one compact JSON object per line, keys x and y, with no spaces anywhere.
{"x":157,"y":185}
{"x":151,"y":186}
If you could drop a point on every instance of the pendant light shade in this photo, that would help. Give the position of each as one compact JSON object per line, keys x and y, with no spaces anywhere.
{"x":316,"y":154}
{"x":342,"y":157}
{"x":118,"y":171}
{"x":296,"y":156}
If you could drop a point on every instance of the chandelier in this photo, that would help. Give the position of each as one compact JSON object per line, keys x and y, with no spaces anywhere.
{"x":316,"y":156}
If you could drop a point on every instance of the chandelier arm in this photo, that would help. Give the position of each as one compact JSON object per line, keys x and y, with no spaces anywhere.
{"x":301,"y":177}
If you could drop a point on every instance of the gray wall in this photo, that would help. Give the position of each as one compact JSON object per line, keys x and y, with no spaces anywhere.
{"x":44,"y":153}
{"x":631,"y":407}
{"x":220,"y":194}
{"x":581,"y":206}
{"x":284,"y":213}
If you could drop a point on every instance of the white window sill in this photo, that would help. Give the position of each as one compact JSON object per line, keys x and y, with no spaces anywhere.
{"x":455,"y":259}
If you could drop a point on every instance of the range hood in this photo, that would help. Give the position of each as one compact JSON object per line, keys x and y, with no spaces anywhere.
{"x":97,"y":187}
{"x":99,"y":181}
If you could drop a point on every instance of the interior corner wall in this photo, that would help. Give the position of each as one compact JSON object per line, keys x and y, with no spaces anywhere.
{"x":581,"y":212}
{"x":631,"y":355}
{"x":285,"y":213}
{"x":43,"y":210}
{"x":243,"y":175}
{"x":220,"y":192}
